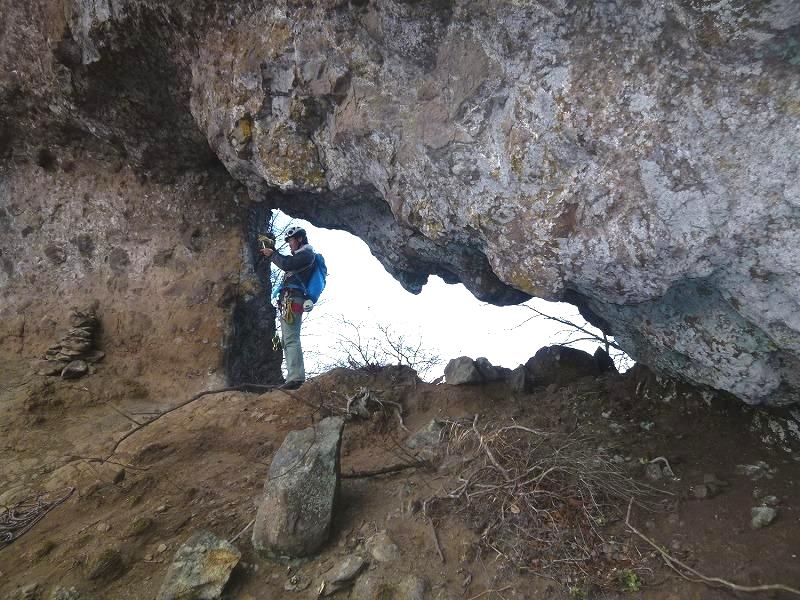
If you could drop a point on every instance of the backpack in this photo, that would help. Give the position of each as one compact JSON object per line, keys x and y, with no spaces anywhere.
{"x":316,"y":282}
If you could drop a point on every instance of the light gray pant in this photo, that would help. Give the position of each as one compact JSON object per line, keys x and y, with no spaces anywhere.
{"x":292,"y":350}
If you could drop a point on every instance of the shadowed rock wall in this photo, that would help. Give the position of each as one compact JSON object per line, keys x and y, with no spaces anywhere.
{"x":638,"y":159}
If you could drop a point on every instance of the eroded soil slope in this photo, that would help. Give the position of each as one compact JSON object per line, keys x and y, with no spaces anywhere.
{"x":203,"y":467}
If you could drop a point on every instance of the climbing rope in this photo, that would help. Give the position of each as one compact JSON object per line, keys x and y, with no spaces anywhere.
{"x":18,"y":519}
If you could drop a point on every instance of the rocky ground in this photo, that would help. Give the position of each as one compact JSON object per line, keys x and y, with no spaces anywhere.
{"x":203,"y":466}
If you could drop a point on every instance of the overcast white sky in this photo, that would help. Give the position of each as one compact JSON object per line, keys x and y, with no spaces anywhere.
{"x":450,"y":321}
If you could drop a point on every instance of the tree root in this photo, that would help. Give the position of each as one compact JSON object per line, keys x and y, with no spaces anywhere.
{"x":673,"y":563}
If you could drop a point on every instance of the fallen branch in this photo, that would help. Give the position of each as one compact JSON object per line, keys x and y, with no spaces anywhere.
{"x":384,"y":471}
{"x":671,"y":561}
{"x":237,"y":388}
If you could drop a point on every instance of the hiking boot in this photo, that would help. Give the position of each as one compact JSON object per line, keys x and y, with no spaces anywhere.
{"x":291,"y":385}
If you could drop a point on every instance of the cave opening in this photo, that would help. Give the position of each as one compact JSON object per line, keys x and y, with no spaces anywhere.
{"x":366,"y":315}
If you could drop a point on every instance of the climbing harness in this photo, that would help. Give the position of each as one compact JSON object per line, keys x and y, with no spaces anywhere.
{"x":18,"y":519}
{"x":290,"y":308}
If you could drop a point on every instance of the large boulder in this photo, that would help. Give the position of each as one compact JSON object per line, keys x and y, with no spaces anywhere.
{"x":294,"y":517}
{"x":560,"y":365}
{"x":461,"y":371}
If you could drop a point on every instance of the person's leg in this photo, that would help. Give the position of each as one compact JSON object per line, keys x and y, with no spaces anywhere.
{"x":292,"y":350}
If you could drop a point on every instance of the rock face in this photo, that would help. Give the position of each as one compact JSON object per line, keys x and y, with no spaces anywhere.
{"x":638,"y":160}
{"x":294,"y":518}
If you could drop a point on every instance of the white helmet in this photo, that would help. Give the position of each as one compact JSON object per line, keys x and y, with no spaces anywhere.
{"x":294,"y":232}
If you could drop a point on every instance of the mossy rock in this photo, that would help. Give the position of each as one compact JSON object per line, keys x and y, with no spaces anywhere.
{"x":106,"y":566}
{"x":139,"y":527}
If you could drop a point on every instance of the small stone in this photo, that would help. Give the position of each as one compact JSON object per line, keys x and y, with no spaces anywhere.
{"x":343,"y":574}
{"x":103,"y":527}
{"x":382,"y":548}
{"x":162,"y":508}
{"x":119,"y":476}
{"x":48,"y":367}
{"x":714,"y":480}
{"x":62,"y":593}
{"x":705,"y":491}
{"x":770,"y":501}
{"x":161,"y":549}
{"x":762,"y":516}
{"x":139,"y":526}
{"x":296,"y":583}
{"x":755,"y":471}
{"x":75,"y":369}
{"x":653,"y":472}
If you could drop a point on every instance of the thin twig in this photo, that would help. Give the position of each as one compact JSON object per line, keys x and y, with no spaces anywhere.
{"x":671,"y":561}
{"x":238,"y":535}
{"x":436,"y":541}
{"x":124,"y":414}
{"x":236,"y":388}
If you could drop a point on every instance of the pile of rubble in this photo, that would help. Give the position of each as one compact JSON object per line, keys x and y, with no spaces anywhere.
{"x":71,"y":356}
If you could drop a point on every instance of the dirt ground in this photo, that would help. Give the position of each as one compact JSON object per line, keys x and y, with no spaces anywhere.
{"x":203,"y":467}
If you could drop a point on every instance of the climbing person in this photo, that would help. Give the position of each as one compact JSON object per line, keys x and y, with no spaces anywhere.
{"x":293,"y":296}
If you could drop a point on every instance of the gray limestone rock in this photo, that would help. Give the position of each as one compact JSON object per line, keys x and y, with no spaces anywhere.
{"x":560,"y":365}
{"x":429,"y":436}
{"x":462,"y":370}
{"x":200,"y":569}
{"x":518,"y":380}
{"x":762,"y":516}
{"x":487,"y":370}
{"x":294,"y":517}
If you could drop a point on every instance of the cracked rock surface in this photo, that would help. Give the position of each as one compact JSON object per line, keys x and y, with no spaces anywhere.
{"x":639,"y":160}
